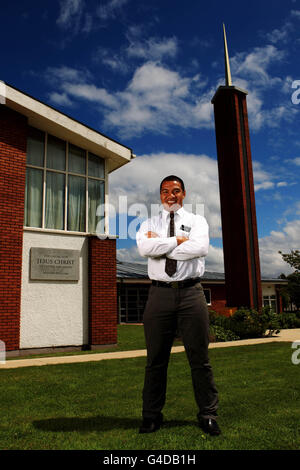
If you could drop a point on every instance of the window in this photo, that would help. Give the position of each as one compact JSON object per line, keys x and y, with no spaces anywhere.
{"x":132,"y":300}
{"x":64,"y":185}
{"x":270,"y":301}
{"x":207,"y":294}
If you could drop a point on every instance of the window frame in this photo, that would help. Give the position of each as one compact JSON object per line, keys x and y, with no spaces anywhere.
{"x":66,"y":173}
{"x":209,"y":290}
{"x":270,"y":298}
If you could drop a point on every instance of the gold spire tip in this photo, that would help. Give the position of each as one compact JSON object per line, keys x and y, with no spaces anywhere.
{"x":228,"y":80}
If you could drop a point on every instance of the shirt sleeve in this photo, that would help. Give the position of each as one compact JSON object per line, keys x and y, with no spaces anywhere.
{"x":197,"y":244}
{"x":153,"y":247}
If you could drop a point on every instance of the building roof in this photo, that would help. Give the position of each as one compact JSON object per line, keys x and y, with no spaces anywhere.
{"x":131,"y":270}
{"x":126,"y":270}
{"x":49,"y":119}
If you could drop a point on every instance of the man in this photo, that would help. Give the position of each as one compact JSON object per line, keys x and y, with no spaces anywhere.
{"x":176,"y":243}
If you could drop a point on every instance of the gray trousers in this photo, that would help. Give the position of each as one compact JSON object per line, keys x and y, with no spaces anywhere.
{"x":184,"y":310}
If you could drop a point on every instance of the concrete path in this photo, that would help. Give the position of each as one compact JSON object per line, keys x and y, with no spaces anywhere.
{"x":284,"y":335}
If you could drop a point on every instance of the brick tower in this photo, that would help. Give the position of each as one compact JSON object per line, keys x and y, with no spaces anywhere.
{"x":239,"y":228}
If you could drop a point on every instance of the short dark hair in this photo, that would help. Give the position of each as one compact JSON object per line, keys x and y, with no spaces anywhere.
{"x":172,"y":178}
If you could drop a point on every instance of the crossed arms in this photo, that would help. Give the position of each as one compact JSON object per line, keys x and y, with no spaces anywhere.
{"x":181,"y":248}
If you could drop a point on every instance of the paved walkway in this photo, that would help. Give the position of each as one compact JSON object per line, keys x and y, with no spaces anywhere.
{"x":284,"y":335}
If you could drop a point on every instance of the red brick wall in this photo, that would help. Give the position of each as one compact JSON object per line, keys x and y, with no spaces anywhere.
{"x":218,"y":299}
{"x":218,"y":296}
{"x":102,"y":291}
{"x":13,"y":138}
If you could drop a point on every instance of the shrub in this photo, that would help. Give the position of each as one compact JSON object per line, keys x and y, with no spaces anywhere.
{"x":247,"y":323}
{"x":270,"y":321}
{"x":218,"y":334}
{"x":244,"y":323}
{"x":289,"y":320}
{"x":219,"y":320}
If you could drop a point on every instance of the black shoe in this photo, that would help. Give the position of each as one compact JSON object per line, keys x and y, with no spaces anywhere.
{"x":151,"y":425}
{"x":210,"y":426}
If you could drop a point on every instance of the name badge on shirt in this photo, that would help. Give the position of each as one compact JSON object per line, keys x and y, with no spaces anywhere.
{"x":185,"y":228}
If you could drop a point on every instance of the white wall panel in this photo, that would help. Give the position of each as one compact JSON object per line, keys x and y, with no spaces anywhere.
{"x":54,"y":313}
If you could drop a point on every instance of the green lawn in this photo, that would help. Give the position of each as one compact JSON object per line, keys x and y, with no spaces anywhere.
{"x":130,"y":337}
{"x":97,"y":405}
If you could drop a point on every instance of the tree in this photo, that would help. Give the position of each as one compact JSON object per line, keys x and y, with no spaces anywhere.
{"x":292,"y":258}
{"x":293,"y":287}
{"x":284,"y":294}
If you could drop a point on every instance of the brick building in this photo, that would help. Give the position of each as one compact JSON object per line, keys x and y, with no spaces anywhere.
{"x":57,"y":278}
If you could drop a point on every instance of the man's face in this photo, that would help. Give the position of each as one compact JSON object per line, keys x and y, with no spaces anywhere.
{"x":172,"y":195}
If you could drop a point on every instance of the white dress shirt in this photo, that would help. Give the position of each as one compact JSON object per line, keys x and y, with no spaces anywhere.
{"x":189,"y":254}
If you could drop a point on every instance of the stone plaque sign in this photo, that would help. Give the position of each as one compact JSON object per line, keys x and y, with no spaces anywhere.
{"x":54,"y":264}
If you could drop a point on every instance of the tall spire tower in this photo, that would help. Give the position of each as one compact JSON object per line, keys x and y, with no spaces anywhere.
{"x":239,"y":228}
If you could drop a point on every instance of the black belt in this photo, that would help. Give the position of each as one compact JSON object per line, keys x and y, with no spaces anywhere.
{"x":177,"y":284}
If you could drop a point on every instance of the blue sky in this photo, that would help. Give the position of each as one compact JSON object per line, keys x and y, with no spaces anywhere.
{"x":144,"y":73}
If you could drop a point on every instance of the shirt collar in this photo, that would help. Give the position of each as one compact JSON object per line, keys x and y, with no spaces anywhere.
{"x":166,"y":214}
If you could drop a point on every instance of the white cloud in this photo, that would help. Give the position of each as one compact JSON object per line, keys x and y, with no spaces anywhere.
{"x":110,"y":9}
{"x":280,"y":34}
{"x":130,"y":255}
{"x":251,"y":71}
{"x":214,"y":262}
{"x":88,"y":23}
{"x":70,"y":12}
{"x":135,"y":30}
{"x":155,"y":99}
{"x":272,"y":263}
{"x":262,"y":179}
{"x":295,"y":13}
{"x":290,"y":211}
{"x":255,"y":64}
{"x":63,"y":74}
{"x":73,"y":83}
{"x":276,"y":116}
{"x":72,"y":17}
{"x":266,"y":179}
{"x":287,"y":85}
{"x":151,"y":76}
{"x":115,"y":61}
{"x":296,"y":161}
{"x":264,"y":185}
{"x":60,"y":99}
{"x":91,"y":93}
{"x":153,"y":48}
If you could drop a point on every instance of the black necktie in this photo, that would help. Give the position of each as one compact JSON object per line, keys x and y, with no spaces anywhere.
{"x":171,"y":264}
